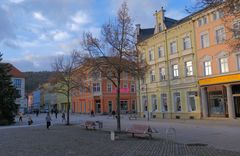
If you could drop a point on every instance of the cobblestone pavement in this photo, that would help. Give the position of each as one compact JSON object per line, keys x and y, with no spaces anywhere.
{"x":63,"y":140}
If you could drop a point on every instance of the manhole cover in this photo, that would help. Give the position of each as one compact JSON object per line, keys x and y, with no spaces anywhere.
{"x":196,"y":144}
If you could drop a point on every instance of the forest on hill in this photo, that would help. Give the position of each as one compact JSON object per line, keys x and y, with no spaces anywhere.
{"x":34,"y":79}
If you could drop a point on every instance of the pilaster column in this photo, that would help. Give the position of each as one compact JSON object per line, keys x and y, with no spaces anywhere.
{"x":230,"y":104}
{"x":204,"y":102}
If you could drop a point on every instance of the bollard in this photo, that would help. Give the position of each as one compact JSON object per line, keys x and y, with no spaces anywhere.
{"x":112,"y":135}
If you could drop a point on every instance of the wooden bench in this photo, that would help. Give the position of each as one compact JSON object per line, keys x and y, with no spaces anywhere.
{"x":90,"y":124}
{"x":141,"y":130}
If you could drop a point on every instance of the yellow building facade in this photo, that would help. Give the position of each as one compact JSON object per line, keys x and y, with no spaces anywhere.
{"x":169,"y":88}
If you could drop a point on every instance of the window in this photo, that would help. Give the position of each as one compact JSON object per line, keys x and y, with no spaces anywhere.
{"x":164,"y":102}
{"x":152,"y":75}
{"x":96,"y":87}
{"x":95,"y":75}
{"x":220,"y":35}
{"x":217,"y":15}
{"x":173,"y":47}
{"x":124,"y":105}
{"x":151,"y":55}
{"x":236,"y":29}
{"x":207,"y":68}
{"x":125,"y":85}
{"x":177,"y":102}
{"x":175,"y":71}
{"x":204,"y":40}
{"x":17,"y":83}
{"x":162,"y":74}
{"x":205,"y":20}
{"x":110,"y":106}
{"x":191,"y":101}
{"x":186,"y":43}
{"x":143,"y":80}
{"x":189,"y":68}
{"x":223,"y":65}
{"x":154,"y":102}
{"x":132,"y":87}
{"x":238,"y":61}
{"x":160,"y":52}
{"x":199,"y":22}
{"x":109,"y":87}
{"x":144,"y":103}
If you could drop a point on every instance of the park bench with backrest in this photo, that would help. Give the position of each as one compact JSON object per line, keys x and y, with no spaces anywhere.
{"x":140,"y":130}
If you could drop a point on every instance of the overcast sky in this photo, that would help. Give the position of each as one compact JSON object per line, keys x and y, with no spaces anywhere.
{"x":34,"y":32}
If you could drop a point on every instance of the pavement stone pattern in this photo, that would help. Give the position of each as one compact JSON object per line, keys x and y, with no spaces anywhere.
{"x":74,"y":140}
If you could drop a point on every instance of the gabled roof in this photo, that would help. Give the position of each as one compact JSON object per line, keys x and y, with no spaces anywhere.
{"x":15,"y":72}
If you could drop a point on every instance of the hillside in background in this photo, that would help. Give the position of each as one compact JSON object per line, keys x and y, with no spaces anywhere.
{"x":34,"y":79}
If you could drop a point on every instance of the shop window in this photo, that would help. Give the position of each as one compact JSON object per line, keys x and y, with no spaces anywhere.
{"x":164,"y":102}
{"x":216,"y":100}
{"x":154,"y":102}
{"x":177,"y":102}
{"x":191,"y":101}
{"x":124,"y":105}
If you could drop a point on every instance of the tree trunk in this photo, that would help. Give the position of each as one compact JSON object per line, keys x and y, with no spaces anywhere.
{"x":68,"y":108}
{"x":118,"y":106}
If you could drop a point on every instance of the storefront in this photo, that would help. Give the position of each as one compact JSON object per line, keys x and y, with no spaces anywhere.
{"x":220,"y":96}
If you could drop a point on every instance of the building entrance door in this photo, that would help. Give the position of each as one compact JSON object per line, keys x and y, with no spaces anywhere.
{"x":98,"y":106}
{"x":237,"y":105}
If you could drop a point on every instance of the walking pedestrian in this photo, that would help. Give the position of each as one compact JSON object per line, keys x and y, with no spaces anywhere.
{"x":48,"y":120}
{"x":63,"y":117}
{"x":92,"y":113}
{"x":37,"y":112}
{"x":113,"y":114}
{"x":56,"y":113}
{"x":20,"y":116}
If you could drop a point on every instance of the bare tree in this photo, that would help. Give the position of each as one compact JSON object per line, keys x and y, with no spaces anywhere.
{"x":231,"y":11}
{"x":114,"y":53}
{"x":67,"y":77}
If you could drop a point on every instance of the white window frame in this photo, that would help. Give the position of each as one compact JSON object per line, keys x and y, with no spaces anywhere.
{"x":175,"y":71}
{"x":189,"y":68}
{"x":152,"y":75}
{"x":191,"y":94}
{"x":223,"y":65}
{"x":109,"y":87}
{"x":236,"y":30}
{"x":154,"y":102}
{"x":162,"y":73}
{"x":220,"y":37}
{"x":176,"y":95}
{"x":164,"y":104}
{"x":173,"y":47}
{"x":151,"y":55}
{"x":161,"y":52}
{"x":204,"y":41}
{"x":186,"y":43}
{"x":96,"y":87}
{"x":207,"y":66}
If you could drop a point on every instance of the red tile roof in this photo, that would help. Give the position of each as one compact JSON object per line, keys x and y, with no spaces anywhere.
{"x":15,"y":72}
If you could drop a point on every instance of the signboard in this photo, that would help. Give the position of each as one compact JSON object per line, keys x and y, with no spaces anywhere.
{"x":220,"y":79}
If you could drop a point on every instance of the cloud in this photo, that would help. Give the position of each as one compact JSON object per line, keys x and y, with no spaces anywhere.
{"x":60,"y":35}
{"x":80,"y":18}
{"x":39,"y":16}
{"x":5,"y":27}
{"x":16,"y":1}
